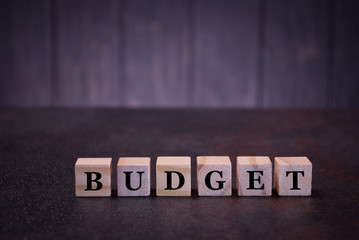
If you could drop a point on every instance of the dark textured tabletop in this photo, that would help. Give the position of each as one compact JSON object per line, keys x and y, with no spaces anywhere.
{"x":39,"y":147}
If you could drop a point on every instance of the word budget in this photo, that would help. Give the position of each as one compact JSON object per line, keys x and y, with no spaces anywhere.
{"x":292,"y":176}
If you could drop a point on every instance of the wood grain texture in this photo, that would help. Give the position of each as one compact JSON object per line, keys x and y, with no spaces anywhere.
{"x":346,"y":81}
{"x":296,"y":51}
{"x":157,"y":52}
{"x":25,"y":52}
{"x":179,"y":53}
{"x":181,"y":165}
{"x":139,"y":170}
{"x":93,"y":166}
{"x":225,"y":53}
{"x":219,"y":171}
{"x":262,"y":177}
{"x":86,"y":53}
{"x":289,"y":183}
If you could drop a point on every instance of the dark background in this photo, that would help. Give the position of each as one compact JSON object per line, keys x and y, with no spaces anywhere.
{"x":77,"y":58}
{"x":39,"y":148}
{"x":178,"y":53}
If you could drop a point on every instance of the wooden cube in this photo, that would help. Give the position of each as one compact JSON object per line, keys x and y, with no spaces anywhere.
{"x":173,"y":176}
{"x":214,"y":176}
{"x":254,"y":176}
{"x":134,"y":176}
{"x":93,"y":177}
{"x":293,"y":176}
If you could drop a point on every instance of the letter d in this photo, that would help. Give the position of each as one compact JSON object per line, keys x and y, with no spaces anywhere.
{"x":169,"y":180}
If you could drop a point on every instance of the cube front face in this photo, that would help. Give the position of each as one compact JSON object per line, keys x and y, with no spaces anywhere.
{"x":93,"y":177}
{"x":133,"y":176}
{"x":293,"y":176}
{"x":214,"y":176}
{"x":254,"y":176}
{"x":173,"y":176}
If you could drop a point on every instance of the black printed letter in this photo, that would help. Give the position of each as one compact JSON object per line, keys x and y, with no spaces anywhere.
{"x":208,"y":180}
{"x":169,"y":180}
{"x":128,"y":181}
{"x":295,"y":178}
{"x":252,"y":180}
{"x":89,"y":181}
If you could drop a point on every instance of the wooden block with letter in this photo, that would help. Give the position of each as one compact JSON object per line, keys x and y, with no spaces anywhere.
{"x":214,"y":176}
{"x":133,"y":176}
{"x":254,"y":176}
{"x":93,"y":177}
{"x":173,"y":176}
{"x":293,"y":176}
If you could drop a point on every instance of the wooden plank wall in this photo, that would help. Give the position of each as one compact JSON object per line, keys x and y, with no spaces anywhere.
{"x":225,"y":51}
{"x":157,"y":52}
{"x":346,"y":70}
{"x":179,"y":53}
{"x":296,"y":53}
{"x":86,"y":53}
{"x":25,"y":53}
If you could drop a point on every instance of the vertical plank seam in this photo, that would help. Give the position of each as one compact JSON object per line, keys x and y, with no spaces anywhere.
{"x":261,"y":41}
{"x":191,"y":12}
{"x":53,"y":55}
{"x":122,"y":80}
{"x":330,"y":88}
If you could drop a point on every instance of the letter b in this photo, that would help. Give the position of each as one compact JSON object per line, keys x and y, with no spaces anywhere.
{"x":93,"y":177}
{"x":90,"y":181}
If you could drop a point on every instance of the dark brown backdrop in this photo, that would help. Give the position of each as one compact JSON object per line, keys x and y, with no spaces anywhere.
{"x":178,"y":53}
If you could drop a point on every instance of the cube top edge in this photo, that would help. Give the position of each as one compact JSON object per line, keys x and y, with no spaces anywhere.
{"x":106,"y":162}
{"x":292,"y":161}
{"x":207,"y":160}
{"x":253,"y":160}
{"x":173,"y":160}
{"x":134,"y":161}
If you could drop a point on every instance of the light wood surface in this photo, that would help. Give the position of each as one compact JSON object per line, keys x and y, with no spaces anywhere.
{"x":284,"y":177}
{"x":218,"y":171}
{"x":176,"y":164}
{"x":139,"y":168}
{"x":261,"y":179}
{"x":101,"y":166}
